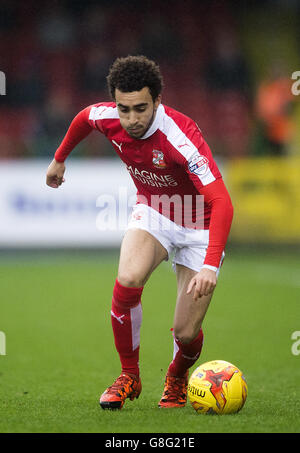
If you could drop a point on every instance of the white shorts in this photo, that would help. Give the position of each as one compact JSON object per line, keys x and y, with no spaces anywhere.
{"x":189,"y":245}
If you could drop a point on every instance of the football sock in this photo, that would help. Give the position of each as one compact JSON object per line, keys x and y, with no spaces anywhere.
{"x":126,"y":319}
{"x":185,"y":355}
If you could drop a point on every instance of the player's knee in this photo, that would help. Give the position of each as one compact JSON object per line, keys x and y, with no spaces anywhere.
{"x":130,"y":279}
{"x":184,"y":335}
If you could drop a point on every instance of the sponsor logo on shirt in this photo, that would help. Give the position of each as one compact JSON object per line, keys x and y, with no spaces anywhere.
{"x":118,"y":145}
{"x":184,"y":144}
{"x":152,"y":179}
{"x":158,"y":159}
{"x":198,"y":165}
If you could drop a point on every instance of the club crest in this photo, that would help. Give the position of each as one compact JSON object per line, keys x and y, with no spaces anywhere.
{"x":158,"y":159}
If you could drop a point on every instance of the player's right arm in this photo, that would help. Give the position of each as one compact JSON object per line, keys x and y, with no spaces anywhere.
{"x":80,"y":127}
{"x":55,"y":173}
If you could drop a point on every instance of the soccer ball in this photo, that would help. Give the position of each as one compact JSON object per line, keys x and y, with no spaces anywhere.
{"x":217,"y":387}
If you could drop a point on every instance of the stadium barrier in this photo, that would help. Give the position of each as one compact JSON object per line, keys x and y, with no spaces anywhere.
{"x":265,"y":195}
{"x":266,"y":198}
{"x":35,"y":215}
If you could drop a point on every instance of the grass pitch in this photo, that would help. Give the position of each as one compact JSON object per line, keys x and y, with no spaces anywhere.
{"x":60,"y":356}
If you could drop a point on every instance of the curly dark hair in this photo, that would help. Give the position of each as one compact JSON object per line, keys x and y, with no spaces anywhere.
{"x":133,"y":73}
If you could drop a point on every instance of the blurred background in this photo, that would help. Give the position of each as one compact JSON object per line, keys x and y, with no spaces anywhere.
{"x":226,"y":64}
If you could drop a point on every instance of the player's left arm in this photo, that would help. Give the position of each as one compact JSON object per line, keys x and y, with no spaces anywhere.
{"x":197,"y":159}
{"x":216,"y":195}
{"x":210,"y":184}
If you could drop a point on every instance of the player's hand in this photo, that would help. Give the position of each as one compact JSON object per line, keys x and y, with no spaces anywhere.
{"x":203,"y":283}
{"x":55,"y":174}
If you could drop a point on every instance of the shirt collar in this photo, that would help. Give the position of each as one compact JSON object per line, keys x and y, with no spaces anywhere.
{"x":156,"y":122}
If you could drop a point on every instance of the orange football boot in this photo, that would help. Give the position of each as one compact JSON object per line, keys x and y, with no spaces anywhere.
{"x":175,"y":391}
{"x":125,"y":386}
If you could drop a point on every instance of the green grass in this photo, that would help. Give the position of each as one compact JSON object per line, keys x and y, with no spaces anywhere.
{"x":60,"y":356}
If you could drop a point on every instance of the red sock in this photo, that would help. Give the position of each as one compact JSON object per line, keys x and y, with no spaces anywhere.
{"x":185,"y":355}
{"x":126,"y":319}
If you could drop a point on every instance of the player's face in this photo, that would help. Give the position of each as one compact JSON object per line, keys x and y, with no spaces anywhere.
{"x":136,"y":110}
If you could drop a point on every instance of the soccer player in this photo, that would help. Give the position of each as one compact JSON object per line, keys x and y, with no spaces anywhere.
{"x":174,"y":172}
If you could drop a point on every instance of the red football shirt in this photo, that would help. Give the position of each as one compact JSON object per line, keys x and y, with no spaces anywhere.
{"x":172,"y":159}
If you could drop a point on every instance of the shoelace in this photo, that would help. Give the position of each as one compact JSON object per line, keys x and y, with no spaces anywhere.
{"x":121,"y":381}
{"x":174,"y":386}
